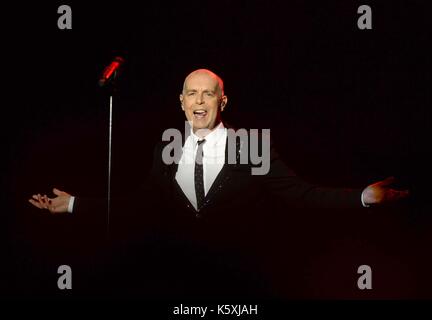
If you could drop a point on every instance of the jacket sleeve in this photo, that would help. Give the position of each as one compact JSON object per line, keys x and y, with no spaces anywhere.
{"x":282,"y":182}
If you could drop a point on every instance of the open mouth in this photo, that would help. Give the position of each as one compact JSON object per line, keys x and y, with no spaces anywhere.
{"x":200,"y":114}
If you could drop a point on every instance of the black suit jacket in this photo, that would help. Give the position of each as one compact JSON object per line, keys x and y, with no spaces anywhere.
{"x":216,"y":251}
{"x":236,"y":189}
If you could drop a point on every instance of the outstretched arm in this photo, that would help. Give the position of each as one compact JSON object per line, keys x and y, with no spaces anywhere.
{"x":283,"y":182}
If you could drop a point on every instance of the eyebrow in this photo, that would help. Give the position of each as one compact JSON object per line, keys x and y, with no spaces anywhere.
{"x":194,"y":90}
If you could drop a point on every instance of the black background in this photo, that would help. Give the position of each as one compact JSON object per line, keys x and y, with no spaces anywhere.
{"x":346,"y":107}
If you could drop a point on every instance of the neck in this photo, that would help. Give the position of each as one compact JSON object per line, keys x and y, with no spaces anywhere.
{"x":203,"y":132}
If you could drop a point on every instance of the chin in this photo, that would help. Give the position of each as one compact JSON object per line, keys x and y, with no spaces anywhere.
{"x":200,"y":125}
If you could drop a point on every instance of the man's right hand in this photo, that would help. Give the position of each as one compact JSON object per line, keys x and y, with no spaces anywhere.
{"x":58,"y":204}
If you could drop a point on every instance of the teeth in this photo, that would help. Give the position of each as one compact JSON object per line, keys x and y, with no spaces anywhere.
{"x":200,"y":112}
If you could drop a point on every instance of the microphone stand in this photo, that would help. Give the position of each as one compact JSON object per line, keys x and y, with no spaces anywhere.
{"x":112,"y":89}
{"x":109,"y":162}
{"x":108,"y":81}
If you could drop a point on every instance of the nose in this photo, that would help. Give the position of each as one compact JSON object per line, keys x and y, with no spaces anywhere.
{"x":199,"y":99}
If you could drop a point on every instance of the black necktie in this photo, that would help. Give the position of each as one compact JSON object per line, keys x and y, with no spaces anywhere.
{"x":199,"y":179}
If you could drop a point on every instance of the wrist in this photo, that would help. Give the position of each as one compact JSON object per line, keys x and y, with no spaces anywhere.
{"x":71,"y":204}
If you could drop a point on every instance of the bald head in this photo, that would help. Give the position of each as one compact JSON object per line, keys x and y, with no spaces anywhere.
{"x":219,"y":81}
{"x":203,"y":99}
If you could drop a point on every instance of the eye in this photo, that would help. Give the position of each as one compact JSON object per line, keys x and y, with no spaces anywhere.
{"x":210,"y":94}
{"x":191,"y":94}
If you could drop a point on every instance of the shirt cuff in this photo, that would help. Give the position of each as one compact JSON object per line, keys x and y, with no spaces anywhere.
{"x":362,"y":201}
{"x":71,"y":203}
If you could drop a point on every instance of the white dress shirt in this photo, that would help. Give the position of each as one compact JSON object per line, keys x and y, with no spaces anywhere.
{"x":213,"y":161}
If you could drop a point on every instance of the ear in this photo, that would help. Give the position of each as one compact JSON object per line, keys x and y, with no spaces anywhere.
{"x":181,"y":101}
{"x":223,"y":103}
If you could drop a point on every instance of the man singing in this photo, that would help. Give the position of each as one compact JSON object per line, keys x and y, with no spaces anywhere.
{"x":213,"y":210}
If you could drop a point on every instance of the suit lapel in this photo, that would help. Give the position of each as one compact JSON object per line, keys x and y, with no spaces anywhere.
{"x":220,"y":180}
{"x":224,"y":175}
{"x":173,"y":170}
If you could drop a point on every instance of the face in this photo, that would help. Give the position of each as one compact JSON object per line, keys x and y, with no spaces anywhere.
{"x":202,"y":101}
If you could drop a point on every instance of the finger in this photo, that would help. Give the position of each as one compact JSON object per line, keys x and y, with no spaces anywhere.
{"x":40,"y":199}
{"x":35,"y":197}
{"x":36,"y":203}
{"x":48,"y":202}
{"x":45,"y":201}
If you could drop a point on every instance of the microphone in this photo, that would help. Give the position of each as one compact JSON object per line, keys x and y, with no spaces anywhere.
{"x":111,"y":71}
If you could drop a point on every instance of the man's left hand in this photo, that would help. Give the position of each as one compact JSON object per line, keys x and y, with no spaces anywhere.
{"x":381,"y":192}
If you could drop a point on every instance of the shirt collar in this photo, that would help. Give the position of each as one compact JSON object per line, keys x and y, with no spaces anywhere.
{"x":213,"y":137}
